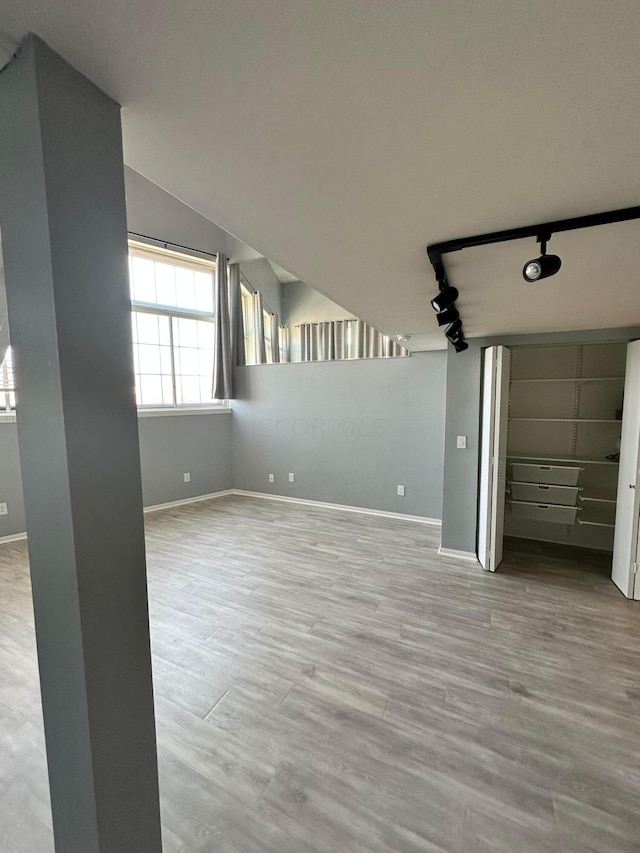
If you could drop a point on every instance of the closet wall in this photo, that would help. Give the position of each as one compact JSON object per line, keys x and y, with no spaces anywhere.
{"x":565,"y":411}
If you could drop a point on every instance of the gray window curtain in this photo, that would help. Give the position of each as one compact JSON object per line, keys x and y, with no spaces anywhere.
{"x":222,"y":363}
{"x":258,"y":328}
{"x":283,"y":344}
{"x":4,"y":319}
{"x":341,"y":339}
{"x":275,"y":337}
{"x":236,"y":323}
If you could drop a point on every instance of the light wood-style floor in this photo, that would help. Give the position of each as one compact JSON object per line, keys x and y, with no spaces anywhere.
{"x":325,"y":682}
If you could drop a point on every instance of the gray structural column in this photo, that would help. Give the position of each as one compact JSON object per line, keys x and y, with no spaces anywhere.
{"x":63,"y":224}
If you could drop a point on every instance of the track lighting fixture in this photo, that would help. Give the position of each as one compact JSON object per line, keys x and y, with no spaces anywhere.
{"x":447,"y":316}
{"x":544,"y":266}
{"x":533,"y":270}
{"x":445,"y":298}
{"x":454,"y":331}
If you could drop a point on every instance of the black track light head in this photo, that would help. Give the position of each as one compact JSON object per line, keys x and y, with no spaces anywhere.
{"x":454,"y":331}
{"x":460,"y":345}
{"x":545,"y":265}
{"x":541,"y":267}
{"x":447,"y":316}
{"x":444,"y":299}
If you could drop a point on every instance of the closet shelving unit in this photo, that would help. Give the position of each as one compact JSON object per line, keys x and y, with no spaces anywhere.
{"x":565,"y":413}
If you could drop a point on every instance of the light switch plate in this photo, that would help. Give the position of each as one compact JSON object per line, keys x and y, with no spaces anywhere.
{"x":461,"y":442}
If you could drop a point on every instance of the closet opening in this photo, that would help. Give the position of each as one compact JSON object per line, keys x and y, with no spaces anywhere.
{"x":560,"y":451}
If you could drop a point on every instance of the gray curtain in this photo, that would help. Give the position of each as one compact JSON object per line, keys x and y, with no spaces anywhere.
{"x":341,"y":339}
{"x":275,"y":337}
{"x":283,"y":343}
{"x":236,"y":323}
{"x":4,"y":319}
{"x":258,"y":328}
{"x":222,"y":362}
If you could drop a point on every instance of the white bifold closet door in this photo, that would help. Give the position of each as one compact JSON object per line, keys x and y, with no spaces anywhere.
{"x":625,"y":542}
{"x":493,"y":456}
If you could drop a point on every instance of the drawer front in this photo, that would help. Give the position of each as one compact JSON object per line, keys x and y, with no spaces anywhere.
{"x":544,"y":512}
{"x":560,"y":475}
{"x":544,"y":493}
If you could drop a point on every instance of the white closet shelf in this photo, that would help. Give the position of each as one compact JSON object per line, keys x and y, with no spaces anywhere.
{"x":575,"y":379}
{"x":572,"y":420}
{"x":601,"y":499}
{"x":595,"y":519}
{"x":536,"y":457}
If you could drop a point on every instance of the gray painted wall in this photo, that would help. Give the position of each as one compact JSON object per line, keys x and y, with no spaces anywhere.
{"x":463,"y":392}
{"x":302,"y":304}
{"x":156,"y":213}
{"x":261,"y":276}
{"x":171,"y":446}
{"x":350,"y":431}
{"x":11,"y":481}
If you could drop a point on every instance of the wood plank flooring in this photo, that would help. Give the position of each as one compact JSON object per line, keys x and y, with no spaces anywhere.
{"x":325,"y":682}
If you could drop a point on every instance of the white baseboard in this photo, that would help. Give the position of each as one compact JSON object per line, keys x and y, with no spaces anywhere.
{"x":15,"y":537}
{"x":458,"y":555}
{"x":418,"y":519}
{"x":184,"y":501}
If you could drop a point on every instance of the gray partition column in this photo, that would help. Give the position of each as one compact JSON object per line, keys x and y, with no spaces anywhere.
{"x":63,"y":223}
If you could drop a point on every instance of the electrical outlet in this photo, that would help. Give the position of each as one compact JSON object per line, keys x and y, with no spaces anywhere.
{"x":401,"y":491}
{"x":4,"y":509}
{"x":272,"y":478}
{"x":292,"y":478}
{"x":461,"y":442}
{"x":187,"y":478}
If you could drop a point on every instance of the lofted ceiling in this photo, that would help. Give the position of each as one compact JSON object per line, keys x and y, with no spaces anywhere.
{"x":340,"y":137}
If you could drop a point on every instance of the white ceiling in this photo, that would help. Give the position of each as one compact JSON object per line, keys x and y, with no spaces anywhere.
{"x":340,"y":137}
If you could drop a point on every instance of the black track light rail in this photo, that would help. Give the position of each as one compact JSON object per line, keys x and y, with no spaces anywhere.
{"x":542,"y":232}
{"x":544,"y":229}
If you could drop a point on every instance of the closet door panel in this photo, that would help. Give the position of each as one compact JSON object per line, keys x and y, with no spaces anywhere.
{"x":625,"y":547}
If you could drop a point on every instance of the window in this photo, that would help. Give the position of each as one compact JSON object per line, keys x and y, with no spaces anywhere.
{"x":173,"y":327}
{"x":7,"y":388}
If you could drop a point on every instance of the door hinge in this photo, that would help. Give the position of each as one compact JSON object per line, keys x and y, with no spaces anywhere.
{"x":634,"y":568}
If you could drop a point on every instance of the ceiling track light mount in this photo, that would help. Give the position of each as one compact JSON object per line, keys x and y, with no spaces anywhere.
{"x":546,"y":264}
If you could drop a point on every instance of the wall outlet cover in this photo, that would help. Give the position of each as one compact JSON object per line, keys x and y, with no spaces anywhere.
{"x":461,"y":442}
{"x":272,"y":478}
{"x":4,"y":509}
{"x":401,"y":491}
{"x":187,"y":478}
{"x":292,"y":478}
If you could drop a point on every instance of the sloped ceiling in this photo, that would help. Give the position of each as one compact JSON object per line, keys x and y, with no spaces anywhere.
{"x":340,"y":137}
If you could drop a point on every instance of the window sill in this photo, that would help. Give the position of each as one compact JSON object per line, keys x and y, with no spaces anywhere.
{"x":195,"y":410}
{"x":150,"y":413}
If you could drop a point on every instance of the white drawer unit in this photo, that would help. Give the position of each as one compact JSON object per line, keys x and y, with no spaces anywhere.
{"x":543,"y":512}
{"x":558,"y":475}
{"x":544,"y":493}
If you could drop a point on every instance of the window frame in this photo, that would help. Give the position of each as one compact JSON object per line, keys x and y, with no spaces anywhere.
{"x":7,"y":385}
{"x":176,"y":259}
